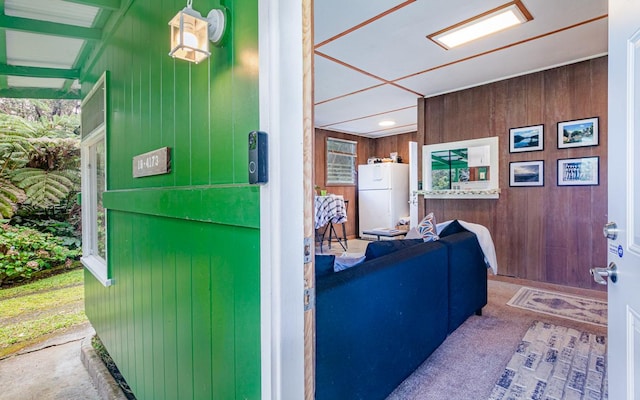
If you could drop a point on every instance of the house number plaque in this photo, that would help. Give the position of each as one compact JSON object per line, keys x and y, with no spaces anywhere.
{"x":156,"y":162}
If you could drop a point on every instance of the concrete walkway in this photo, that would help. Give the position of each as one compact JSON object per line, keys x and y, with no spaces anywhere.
{"x":49,"y":370}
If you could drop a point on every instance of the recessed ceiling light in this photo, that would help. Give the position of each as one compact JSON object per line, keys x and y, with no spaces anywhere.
{"x":386,"y":123}
{"x":496,"y":20}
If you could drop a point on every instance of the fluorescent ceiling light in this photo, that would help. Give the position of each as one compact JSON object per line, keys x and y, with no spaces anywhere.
{"x":386,"y":123}
{"x":482,"y":25}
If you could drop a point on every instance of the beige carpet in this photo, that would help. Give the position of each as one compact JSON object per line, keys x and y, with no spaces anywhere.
{"x":467,"y":365}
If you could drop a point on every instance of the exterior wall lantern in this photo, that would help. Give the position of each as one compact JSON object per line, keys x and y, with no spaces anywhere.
{"x":190,"y":33}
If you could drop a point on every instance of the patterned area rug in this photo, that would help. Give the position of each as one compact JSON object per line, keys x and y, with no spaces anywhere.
{"x":555,"y":363}
{"x":561,"y":305}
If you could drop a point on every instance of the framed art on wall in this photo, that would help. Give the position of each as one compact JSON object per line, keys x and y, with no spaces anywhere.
{"x":526,"y":138}
{"x":526,"y":173}
{"x":578,"y":133}
{"x":578,"y":171}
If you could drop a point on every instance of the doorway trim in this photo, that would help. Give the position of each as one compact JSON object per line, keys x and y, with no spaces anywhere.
{"x":282,"y":219}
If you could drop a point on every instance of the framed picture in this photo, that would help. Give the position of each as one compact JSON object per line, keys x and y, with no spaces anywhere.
{"x":526,"y":138}
{"x":526,"y":173}
{"x":578,"y":133}
{"x":578,"y":171}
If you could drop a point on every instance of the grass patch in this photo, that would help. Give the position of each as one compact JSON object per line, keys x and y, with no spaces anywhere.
{"x":75,"y":277}
{"x":27,"y":330}
{"x":30,"y":312}
{"x":15,"y":306}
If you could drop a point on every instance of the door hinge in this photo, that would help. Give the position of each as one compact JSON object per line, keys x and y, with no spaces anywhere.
{"x":309,"y":298}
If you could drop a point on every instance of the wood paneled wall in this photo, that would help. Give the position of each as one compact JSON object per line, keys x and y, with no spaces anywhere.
{"x":551,"y":233}
{"x":381,"y":147}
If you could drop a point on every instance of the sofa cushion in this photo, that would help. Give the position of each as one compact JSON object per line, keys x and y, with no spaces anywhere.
{"x":452,"y":228}
{"x":383,"y":247}
{"x":324,"y":264}
{"x":427,"y":228}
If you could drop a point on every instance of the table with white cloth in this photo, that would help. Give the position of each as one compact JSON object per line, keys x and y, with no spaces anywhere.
{"x":329,"y":210}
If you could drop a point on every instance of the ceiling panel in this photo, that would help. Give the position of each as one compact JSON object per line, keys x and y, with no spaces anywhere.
{"x":525,"y":58}
{"x":375,"y":101}
{"x":36,"y":50}
{"x":53,"y":11}
{"x":405,"y":120}
{"x":28,"y":82}
{"x":396,"y":45}
{"x":334,"y":17}
{"x":326,"y":87}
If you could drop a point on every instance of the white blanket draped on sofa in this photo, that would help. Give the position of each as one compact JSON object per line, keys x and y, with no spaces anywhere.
{"x":484,"y":238}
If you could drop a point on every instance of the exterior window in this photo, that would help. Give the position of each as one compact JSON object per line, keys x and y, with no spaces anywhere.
{"x":94,"y":180}
{"x":94,"y":219}
{"x":341,"y":162}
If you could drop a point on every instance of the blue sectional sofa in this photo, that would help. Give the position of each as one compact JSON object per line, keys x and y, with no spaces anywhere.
{"x":378,"y":321}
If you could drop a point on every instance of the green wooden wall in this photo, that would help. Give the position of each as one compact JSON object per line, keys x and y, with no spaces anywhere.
{"x":182,"y":320}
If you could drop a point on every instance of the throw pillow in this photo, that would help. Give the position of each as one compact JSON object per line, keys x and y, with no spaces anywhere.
{"x":427,"y":228}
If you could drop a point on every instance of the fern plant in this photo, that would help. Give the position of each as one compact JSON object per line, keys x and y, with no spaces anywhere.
{"x":10,"y":196}
{"x":43,"y":188}
{"x":39,"y":162}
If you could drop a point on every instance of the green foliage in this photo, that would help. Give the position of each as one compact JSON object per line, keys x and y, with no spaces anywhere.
{"x":43,"y":188}
{"x":10,"y":196}
{"x":39,"y":158}
{"x":62,"y":220}
{"x":37,"y":109}
{"x":24,"y":252}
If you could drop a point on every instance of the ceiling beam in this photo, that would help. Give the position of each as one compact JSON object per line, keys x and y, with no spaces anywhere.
{"x":39,"y":93}
{"x":104,"y":4}
{"x":49,"y":28}
{"x":39,"y":72}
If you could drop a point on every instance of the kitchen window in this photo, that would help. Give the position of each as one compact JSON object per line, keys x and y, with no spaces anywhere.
{"x":341,"y":162}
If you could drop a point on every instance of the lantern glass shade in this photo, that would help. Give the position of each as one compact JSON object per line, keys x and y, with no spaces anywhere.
{"x":189,"y":36}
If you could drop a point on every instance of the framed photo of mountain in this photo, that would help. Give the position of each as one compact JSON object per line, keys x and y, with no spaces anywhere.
{"x":526,"y":173}
{"x":526,"y":138}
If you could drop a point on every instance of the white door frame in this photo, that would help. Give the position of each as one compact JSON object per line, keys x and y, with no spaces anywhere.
{"x":281,"y":200}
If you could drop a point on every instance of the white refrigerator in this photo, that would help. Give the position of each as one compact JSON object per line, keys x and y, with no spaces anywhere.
{"x":383,"y":195}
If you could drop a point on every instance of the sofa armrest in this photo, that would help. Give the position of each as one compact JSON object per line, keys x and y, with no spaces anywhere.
{"x":467,"y":277}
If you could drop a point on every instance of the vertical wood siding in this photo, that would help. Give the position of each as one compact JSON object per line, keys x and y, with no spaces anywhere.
{"x":182,"y":320}
{"x":551,"y":233}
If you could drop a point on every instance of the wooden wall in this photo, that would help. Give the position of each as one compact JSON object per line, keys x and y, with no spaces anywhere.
{"x":551,"y":233}
{"x":381,"y":147}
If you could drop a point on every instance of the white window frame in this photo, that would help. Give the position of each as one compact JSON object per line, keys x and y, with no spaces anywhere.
{"x":91,"y":258}
{"x":354,"y":156}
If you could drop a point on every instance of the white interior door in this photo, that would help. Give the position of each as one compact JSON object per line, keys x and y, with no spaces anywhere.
{"x":624,"y":198}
